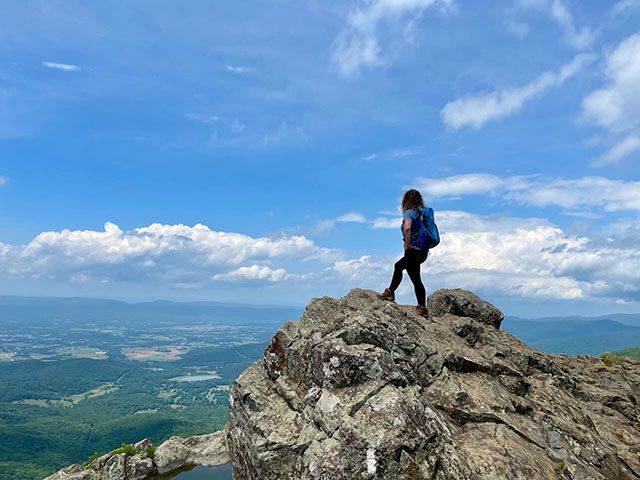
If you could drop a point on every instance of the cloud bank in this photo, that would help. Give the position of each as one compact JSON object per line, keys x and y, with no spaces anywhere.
{"x":518,"y":257}
{"x":170,"y":254}
{"x":522,"y":258}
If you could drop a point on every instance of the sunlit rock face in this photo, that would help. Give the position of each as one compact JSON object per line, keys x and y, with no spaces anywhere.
{"x":360,"y":388}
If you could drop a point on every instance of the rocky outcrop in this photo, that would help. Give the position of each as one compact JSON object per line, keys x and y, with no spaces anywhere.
{"x":206,"y":450}
{"x":360,"y":388}
{"x":141,"y":461}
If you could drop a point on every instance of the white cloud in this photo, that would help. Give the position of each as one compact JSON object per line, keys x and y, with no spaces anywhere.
{"x":3,"y":180}
{"x":354,"y":217}
{"x":253,"y":273}
{"x":458,"y":185}
{"x":524,"y":258}
{"x":616,"y":106}
{"x":239,"y":69}
{"x":323,"y":227}
{"x":476,"y":110}
{"x":67,"y":67}
{"x":157,"y":253}
{"x":579,"y":38}
{"x":540,"y":191}
{"x":387,"y":222}
{"x":358,"y":44}
{"x":624,"y":5}
{"x":357,"y":270}
{"x":620,"y":150}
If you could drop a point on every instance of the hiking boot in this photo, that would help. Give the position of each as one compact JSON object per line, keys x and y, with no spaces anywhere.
{"x":422,"y":311}
{"x":387,"y":295}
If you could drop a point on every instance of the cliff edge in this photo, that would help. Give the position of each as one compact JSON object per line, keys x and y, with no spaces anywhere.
{"x":360,"y":388}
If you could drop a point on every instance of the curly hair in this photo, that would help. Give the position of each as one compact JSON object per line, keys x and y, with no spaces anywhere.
{"x":412,"y":199}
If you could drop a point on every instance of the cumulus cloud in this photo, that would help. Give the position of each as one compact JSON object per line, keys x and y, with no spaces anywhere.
{"x":358,"y":45}
{"x":158,"y":253}
{"x":540,"y":191}
{"x":67,"y":67}
{"x":254,"y":272}
{"x":579,"y":38}
{"x":525,"y":258}
{"x":616,"y":106}
{"x":520,"y":257}
{"x":476,"y":110}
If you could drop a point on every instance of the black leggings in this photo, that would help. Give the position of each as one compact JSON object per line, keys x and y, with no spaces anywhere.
{"x":411,"y":263}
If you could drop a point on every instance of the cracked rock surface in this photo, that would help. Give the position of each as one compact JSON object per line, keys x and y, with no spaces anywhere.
{"x":360,"y":388}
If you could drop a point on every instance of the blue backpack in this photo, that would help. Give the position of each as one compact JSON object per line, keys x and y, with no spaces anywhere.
{"x":428,"y":235}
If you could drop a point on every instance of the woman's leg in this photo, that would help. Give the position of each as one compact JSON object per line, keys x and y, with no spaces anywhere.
{"x":414,"y":259}
{"x":397,"y":273}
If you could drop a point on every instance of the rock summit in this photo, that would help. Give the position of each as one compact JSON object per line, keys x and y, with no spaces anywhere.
{"x":361,"y":388}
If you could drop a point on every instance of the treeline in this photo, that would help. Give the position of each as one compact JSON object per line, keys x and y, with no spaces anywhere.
{"x":55,"y":379}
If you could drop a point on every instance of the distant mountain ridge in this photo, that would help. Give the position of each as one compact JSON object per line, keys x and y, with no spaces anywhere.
{"x":31,"y":300}
{"x":625,"y":318}
{"x":569,"y":335}
{"x":35,"y":310}
{"x":574,"y":335}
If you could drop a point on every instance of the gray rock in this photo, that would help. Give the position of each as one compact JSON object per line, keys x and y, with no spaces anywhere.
{"x":138,"y":468}
{"x":115,"y":468}
{"x":463,"y":303}
{"x":365,"y":389}
{"x":176,"y":453}
{"x":73,"y":472}
{"x":143,"y":445}
{"x":207,"y":450}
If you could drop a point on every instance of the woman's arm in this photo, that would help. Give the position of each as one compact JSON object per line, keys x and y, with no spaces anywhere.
{"x":407,"y":233}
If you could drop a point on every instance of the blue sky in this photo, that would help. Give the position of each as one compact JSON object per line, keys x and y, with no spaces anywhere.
{"x":257,"y":151}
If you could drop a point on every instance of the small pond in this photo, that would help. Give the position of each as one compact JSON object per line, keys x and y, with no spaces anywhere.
{"x":224,"y":472}
{"x":195,"y":378}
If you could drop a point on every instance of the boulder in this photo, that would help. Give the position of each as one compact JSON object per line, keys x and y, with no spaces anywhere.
{"x":207,"y":450}
{"x":360,"y":388}
{"x":463,"y":303}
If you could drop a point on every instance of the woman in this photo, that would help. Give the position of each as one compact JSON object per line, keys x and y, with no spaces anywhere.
{"x":412,"y":208}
